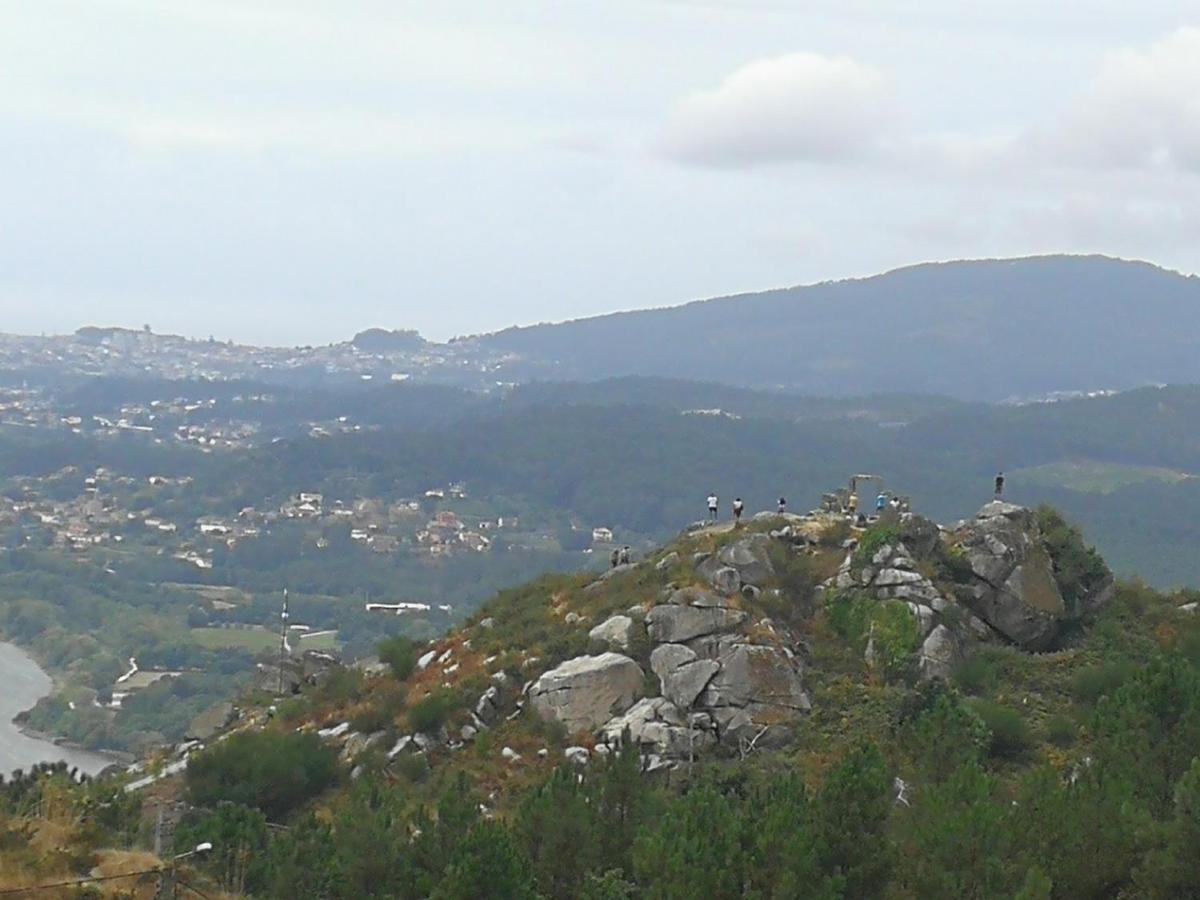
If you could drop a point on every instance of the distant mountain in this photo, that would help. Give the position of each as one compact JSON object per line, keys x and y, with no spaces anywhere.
{"x":977,"y":330}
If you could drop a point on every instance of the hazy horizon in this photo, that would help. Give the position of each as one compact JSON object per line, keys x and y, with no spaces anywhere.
{"x":338,"y":339}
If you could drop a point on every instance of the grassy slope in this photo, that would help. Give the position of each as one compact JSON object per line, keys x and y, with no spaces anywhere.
{"x":1051,"y":695}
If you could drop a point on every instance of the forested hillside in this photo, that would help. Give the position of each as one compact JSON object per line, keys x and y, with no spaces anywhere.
{"x":985,"y":330}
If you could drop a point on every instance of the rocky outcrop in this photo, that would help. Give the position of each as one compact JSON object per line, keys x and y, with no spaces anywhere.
{"x":890,"y":574}
{"x":662,"y":729}
{"x":682,"y":673}
{"x":615,"y":631}
{"x":759,"y":678}
{"x":718,"y":684}
{"x":294,"y":673}
{"x":939,"y":654}
{"x":1014,"y":590}
{"x":675,"y":623}
{"x":745,"y":561}
{"x":585,"y":692}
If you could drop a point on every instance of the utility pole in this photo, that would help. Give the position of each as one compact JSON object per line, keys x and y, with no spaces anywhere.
{"x":283,"y":645}
{"x":158,"y":829}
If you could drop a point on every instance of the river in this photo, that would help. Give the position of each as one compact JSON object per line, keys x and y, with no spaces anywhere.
{"x":24,"y":683}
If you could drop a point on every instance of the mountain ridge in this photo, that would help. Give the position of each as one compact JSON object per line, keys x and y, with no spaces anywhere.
{"x":996,"y":329}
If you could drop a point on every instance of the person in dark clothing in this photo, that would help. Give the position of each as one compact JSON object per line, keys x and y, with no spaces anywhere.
{"x":615,"y":557}
{"x":782,"y":505}
{"x":999,"y":484}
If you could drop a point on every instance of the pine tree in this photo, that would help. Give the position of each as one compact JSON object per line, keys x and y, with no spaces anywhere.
{"x":852,"y":815}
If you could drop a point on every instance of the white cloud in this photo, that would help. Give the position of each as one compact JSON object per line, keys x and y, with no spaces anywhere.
{"x":1140,"y":111}
{"x":799,"y":107}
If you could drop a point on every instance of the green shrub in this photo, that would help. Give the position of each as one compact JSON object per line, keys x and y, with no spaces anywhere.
{"x":342,"y":686}
{"x":400,"y":654}
{"x":371,"y":719}
{"x":875,"y":538}
{"x":1090,"y":684}
{"x":266,"y":770}
{"x":976,"y":675}
{"x":956,"y":566}
{"x":888,"y":624}
{"x":1078,"y":568}
{"x":797,"y":586}
{"x":430,"y":714}
{"x":413,"y":767}
{"x":947,"y":736}
{"x":293,"y":709}
{"x":1061,"y":731}
{"x":1010,"y":736}
{"x":895,"y":637}
{"x":849,"y":616}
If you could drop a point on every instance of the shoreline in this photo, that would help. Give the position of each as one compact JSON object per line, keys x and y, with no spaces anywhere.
{"x":27,"y":747}
{"x":118,"y":757}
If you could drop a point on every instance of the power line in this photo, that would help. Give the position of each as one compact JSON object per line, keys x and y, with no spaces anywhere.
{"x":76,"y":881}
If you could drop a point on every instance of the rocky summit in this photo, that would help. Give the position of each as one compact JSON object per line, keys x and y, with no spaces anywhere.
{"x":873,"y":708}
{"x":706,"y":646}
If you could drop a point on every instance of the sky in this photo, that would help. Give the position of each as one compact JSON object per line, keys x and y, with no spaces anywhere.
{"x":292,"y":172}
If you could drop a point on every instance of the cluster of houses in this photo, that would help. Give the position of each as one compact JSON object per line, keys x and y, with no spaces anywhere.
{"x":142,"y":353}
{"x":100,"y":515}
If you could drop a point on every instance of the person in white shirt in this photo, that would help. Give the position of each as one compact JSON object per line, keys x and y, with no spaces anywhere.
{"x":712,"y":507}
{"x":738,"y":506}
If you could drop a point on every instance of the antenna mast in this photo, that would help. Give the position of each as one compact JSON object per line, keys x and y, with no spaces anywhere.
{"x":283,"y":644}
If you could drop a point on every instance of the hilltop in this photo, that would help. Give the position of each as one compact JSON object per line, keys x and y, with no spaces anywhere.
{"x":976,"y":330}
{"x":796,"y":707}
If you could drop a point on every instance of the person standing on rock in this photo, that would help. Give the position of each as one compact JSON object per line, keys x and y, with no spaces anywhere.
{"x":712,"y":507}
{"x":782,"y":505}
{"x":738,"y":506}
{"x":623,"y":557}
{"x":999,"y":484}
{"x":880,"y":502}
{"x":615,"y":557}
{"x":852,"y":505}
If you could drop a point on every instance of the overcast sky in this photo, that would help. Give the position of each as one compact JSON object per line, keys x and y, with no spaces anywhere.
{"x":290,"y":172}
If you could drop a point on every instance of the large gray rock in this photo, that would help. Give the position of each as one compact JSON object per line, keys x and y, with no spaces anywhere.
{"x":615,"y":631}
{"x":759,"y":678}
{"x":682,"y":673}
{"x":722,"y":577}
{"x":896,"y":577}
{"x":750,"y":556}
{"x":921,"y":535}
{"x":925,"y":618}
{"x":670,"y":623}
{"x":666,"y":658}
{"x":488,"y":707}
{"x":658,"y":726}
{"x":939,"y":654}
{"x":1014,"y":589}
{"x":585,"y":692}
